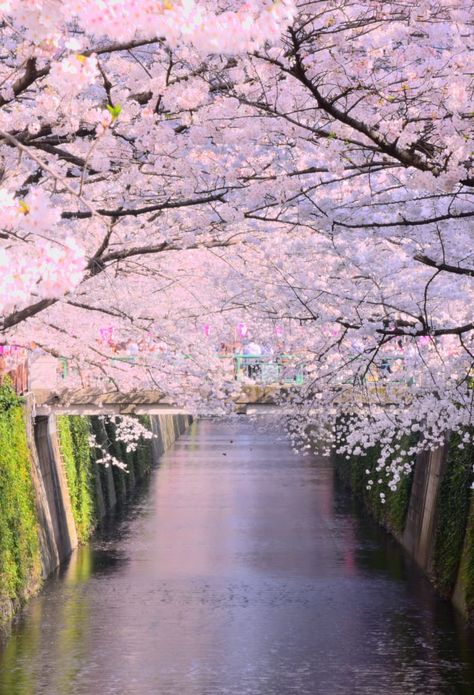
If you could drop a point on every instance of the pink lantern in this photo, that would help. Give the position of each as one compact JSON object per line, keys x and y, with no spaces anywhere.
{"x":278,"y":330}
{"x":106,"y":334}
{"x":242,"y":329}
{"x":207,"y":330}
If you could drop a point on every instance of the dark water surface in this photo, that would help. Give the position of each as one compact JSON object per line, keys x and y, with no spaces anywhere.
{"x":243,"y":570}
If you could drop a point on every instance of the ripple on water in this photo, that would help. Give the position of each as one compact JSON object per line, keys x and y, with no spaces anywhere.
{"x":244,"y":574}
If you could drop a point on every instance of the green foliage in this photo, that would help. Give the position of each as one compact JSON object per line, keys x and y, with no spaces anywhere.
{"x":73,"y":431}
{"x":393,"y":513}
{"x":118,"y":449}
{"x":20,"y":562}
{"x":114,"y":110}
{"x":8,"y":397}
{"x":143,"y":455}
{"x":468,"y":564}
{"x":138,"y":462}
{"x":20,"y":567}
{"x":101,"y":472}
{"x":397,"y":504}
{"x":453,"y":510}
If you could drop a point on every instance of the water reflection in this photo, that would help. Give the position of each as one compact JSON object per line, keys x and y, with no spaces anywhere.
{"x":427,"y":641}
{"x":243,"y":571}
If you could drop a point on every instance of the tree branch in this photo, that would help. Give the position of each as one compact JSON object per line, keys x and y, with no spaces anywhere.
{"x":439,"y":265}
{"x":133,"y":212}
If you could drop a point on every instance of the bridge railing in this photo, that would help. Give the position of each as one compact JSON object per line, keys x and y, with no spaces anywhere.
{"x":268,"y":369}
{"x":389,"y":368}
{"x":262,"y":369}
{"x":278,"y":369}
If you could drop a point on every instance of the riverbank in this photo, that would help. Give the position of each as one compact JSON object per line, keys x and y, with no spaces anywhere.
{"x":243,"y":568}
{"x":431,"y":514}
{"x":53,"y":493}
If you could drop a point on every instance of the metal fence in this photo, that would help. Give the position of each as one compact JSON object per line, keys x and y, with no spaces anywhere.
{"x":262,"y":369}
{"x":268,"y":369}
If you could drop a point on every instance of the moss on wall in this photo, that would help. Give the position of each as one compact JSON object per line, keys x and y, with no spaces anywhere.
{"x":352,"y":471}
{"x":138,"y":462}
{"x":468,"y":564}
{"x":73,"y":432}
{"x":20,"y":559}
{"x":20,"y":568}
{"x":453,"y":511}
{"x":81,"y":468}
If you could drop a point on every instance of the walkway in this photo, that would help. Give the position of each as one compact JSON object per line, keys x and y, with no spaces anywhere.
{"x":242,"y":571}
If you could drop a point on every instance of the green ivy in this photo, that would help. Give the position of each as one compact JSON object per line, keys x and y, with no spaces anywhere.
{"x":117,"y":449}
{"x":74,"y":431}
{"x":20,"y":568}
{"x":143,"y":455}
{"x":352,"y":471}
{"x":20,"y":562}
{"x":8,"y":397}
{"x":138,"y":462}
{"x":453,"y":510}
{"x":468,"y":564}
{"x":101,"y":472}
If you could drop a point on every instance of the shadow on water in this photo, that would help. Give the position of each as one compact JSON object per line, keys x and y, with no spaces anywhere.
{"x":425,"y":631}
{"x":50,"y":630}
{"x":239,"y":569}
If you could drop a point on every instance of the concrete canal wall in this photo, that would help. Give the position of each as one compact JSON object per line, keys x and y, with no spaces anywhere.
{"x":53,"y":494}
{"x":431,"y":514}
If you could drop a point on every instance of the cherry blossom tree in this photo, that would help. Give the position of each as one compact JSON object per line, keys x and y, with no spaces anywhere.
{"x":170,"y":164}
{"x":92,"y":97}
{"x":380,"y":160}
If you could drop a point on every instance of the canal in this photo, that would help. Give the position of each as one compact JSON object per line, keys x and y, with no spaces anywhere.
{"x":242,"y":569}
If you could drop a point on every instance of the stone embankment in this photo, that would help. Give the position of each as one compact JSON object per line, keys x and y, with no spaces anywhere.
{"x":53,"y":494}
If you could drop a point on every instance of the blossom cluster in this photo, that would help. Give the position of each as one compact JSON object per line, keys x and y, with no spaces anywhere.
{"x":42,"y":268}
{"x":127,"y":430}
{"x":249,"y":25}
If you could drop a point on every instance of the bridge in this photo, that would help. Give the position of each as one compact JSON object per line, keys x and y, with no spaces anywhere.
{"x":260,"y":377}
{"x":251,"y":399}
{"x":257,"y":394}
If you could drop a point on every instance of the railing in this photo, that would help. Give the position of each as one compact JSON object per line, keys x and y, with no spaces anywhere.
{"x":266,"y":369}
{"x":387,"y":369}
{"x":263,"y":369}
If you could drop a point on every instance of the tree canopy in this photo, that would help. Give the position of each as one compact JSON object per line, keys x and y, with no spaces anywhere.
{"x":168,"y":165}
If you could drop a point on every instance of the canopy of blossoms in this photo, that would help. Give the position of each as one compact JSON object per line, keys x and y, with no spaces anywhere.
{"x":173,"y":165}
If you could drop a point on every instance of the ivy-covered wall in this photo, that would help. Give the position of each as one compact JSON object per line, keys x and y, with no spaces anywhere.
{"x":138,"y":461}
{"x":87,"y":481}
{"x":91,"y":488}
{"x":50,"y":483}
{"x":467,"y":566}
{"x":20,"y":566}
{"x":453,"y":511}
{"x":450,"y":507}
{"x":73,"y":433}
{"x":393,"y":513}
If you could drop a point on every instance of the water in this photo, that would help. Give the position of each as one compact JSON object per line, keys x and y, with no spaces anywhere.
{"x":242,"y":570}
